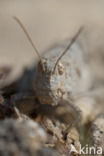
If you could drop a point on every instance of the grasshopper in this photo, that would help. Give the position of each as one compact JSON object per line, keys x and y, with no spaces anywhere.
{"x":61,"y":78}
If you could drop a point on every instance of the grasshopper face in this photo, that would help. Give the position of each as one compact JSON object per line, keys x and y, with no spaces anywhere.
{"x":49,"y":86}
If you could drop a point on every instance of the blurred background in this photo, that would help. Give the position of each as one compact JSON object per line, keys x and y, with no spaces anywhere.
{"x":48,"y":22}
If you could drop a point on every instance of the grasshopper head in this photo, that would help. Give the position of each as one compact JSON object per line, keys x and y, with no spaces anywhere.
{"x":49,"y":85}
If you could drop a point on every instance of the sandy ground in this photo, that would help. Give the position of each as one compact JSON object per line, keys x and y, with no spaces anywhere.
{"x":48,"y":22}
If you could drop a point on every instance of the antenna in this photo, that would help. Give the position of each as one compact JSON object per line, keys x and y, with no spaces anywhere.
{"x":68,"y":47}
{"x":30,"y":40}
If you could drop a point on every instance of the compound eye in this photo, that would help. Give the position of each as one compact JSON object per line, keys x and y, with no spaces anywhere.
{"x":42,"y":65}
{"x":61,"y":68}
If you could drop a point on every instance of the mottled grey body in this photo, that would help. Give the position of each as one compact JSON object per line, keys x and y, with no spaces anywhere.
{"x":72,"y":76}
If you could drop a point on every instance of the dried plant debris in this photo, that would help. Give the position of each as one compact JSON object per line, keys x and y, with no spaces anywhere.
{"x":98,"y":132}
{"x":58,"y":138}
